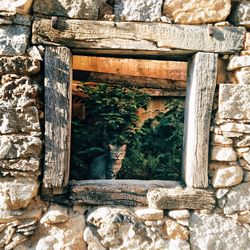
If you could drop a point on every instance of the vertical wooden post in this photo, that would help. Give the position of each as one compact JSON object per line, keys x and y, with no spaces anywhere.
{"x":199,"y":100}
{"x":58,"y":101}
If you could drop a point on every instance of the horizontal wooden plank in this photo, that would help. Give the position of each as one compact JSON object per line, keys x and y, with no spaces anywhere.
{"x":132,"y":67}
{"x":87,"y":34}
{"x":115,"y":192}
{"x":150,"y":91}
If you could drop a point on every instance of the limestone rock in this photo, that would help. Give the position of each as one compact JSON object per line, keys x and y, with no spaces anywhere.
{"x":236,"y":127}
{"x":82,"y":9}
{"x":17,"y":193}
{"x":221,"y":140}
{"x":247,"y":41}
{"x":175,"y":230}
{"x":13,"y":40}
{"x":212,"y":231}
{"x":119,"y":228}
{"x":234,"y":102}
{"x":238,"y":62}
{"x":230,"y":134}
{"x":243,"y":141}
{"x":179,"y":214}
{"x":238,"y":198}
{"x":11,"y":7}
{"x":197,"y":11}
{"x":241,"y":15}
{"x":227,"y":176}
{"x":22,"y":65}
{"x":223,"y":154}
{"x":19,"y":120}
{"x":15,"y":146}
{"x":35,"y":53}
{"x":16,"y":240}
{"x":221,"y":192}
{"x":149,"y":213}
{"x":138,"y":10}
{"x":54,"y":215}
{"x":244,"y":217}
{"x":243,"y":76}
{"x":68,"y":235}
{"x":31,"y":164}
{"x":246,"y":156}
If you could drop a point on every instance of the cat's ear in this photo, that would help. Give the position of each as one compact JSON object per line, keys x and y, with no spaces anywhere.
{"x":124,"y":147}
{"x":111,"y":147}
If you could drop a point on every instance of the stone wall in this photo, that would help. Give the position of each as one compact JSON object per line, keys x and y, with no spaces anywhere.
{"x":27,"y":222}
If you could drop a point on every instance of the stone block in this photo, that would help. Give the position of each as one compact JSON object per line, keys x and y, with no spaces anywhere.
{"x":234,"y":102}
{"x":221,"y":140}
{"x":54,"y":215}
{"x":243,"y":128}
{"x":82,"y":9}
{"x":238,"y":62}
{"x":213,"y":231}
{"x":138,"y":10}
{"x":17,"y":193}
{"x":240,"y":15}
{"x":11,"y":7}
{"x":197,"y":11}
{"x":15,"y":146}
{"x":227,"y":176}
{"x":242,"y":142}
{"x":223,"y":154}
{"x":149,"y":213}
{"x":20,"y":65}
{"x":247,"y":42}
{"x":13,"y":40}
{"x":238,"y":198}
{"x":242,"y":75}
{"x":179,"y":214}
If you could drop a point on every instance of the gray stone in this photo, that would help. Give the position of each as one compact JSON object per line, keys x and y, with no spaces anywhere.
{"x":214,"y":232}
{"x":241,"y":15}
{"x":238,"y":198}
{"x":138,"y":10}
{"x":11,"y":7}
{"x":13,"y":40}
{"x":81,"y":9}
{"x":17,"y":193}
{"x":234,"y":101}
{"x":243,"y":76}
{"x":238,"y":62}
{"x":31,"y":164}
{"x":15,"y":146}
{"x":22,"y":65}
{"x":54,"y":215}
{"x":197,"y":11}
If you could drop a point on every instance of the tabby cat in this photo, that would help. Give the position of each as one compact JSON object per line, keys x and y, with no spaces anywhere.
{"x":107,"y":165}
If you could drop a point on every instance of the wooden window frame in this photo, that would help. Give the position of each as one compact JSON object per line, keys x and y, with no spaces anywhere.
{"x":58,"y":100}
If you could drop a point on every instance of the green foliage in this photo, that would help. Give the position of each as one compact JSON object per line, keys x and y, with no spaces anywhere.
{"x":154,"y":150}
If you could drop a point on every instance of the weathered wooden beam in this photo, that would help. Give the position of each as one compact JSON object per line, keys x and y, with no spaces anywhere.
{"x":137,"y":36}
{"x":179,"y":198}
{"x":199,"y":100}
{"x":132,"y":67}
{"x":58,"y":76}
{"x":150,"y":91}
{"x":115,"y":192}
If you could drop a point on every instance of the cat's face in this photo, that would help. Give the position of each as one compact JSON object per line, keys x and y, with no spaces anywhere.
{"x":117,"y":153}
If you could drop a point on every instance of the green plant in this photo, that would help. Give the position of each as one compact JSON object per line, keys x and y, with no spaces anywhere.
{"x":154,"y":150}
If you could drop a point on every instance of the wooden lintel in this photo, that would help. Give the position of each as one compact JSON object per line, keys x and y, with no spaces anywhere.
{"x":132,"y":67}
{"x":87,"y":34}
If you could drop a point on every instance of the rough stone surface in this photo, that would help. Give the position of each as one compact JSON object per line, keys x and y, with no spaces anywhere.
{"x":31,"y":164}
{"x":66,"y":235}
{"x":234,"y":102}
{"x":235,"y":127}
{"x":246,"y":177}
{"x":149,"y":213}
{"x":241,"y":15}
{"x":54,"y":215}
{"x":227,"y":176}
{"x":197,"y":11}
{"x":19,"y":120}
{"x":243,"y":76}
{"x":247,"y":41}
{"x":223,"y":154}
{"x":239,"y":62}
{"x":11,"y":7}
{"x":138,"y":10}
{"x":13,"y":40}
{"x":221,"y":140}
{"x":244,"y":217}
{"x":119,"y":228}
{"x":212,"y":231}
{"x":22,"y":65}
{"x":15,"y":146}
{"x":17,"y":193}
{"x":244,"y":141}
{"x":179,"y":214}
{"x":238,"y":198}
{"x":246,"y":156}
{"x":82,"y":9}
{"x":175,"y":230}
